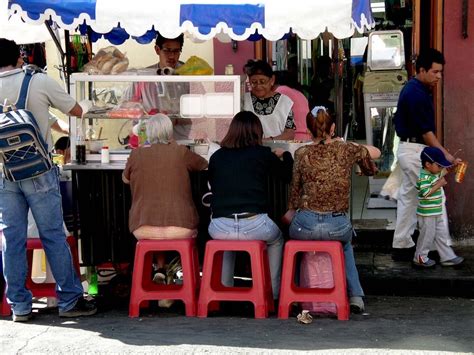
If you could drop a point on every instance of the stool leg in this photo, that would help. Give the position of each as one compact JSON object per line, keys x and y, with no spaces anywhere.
{"x":189,"y":283}
{"x":137,"y":277}
{"x":268,"y":285}
{"x":5,"y":309}
{"x":259,"y":265}
{"x":287,"y":277}
{"x":206,"y":283}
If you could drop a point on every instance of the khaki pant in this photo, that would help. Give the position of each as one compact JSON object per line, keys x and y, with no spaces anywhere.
{"x":434,"y":230}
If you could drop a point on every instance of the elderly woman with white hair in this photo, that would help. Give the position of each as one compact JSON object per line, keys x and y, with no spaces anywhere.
{"x":158,"y":174}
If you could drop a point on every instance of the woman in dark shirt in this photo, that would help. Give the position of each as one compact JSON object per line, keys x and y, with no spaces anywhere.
{"x":238,"y":174}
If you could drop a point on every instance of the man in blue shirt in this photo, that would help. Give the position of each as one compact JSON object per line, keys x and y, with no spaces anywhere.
{"x":415,"y":125}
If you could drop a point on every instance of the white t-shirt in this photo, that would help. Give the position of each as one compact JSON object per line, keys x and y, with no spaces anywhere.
{"x":44,"y":92}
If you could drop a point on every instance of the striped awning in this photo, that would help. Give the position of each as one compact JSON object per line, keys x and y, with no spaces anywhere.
{"x":119,"y":20}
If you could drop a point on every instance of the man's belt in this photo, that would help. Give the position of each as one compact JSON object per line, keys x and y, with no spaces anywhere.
{"x":412,"y":140}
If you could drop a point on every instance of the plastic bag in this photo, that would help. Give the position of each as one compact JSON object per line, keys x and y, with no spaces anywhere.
{"x":393,"y":183}
{"x":195,"y":66}
{"x":108,"y":60}
{"x":316,"y":272}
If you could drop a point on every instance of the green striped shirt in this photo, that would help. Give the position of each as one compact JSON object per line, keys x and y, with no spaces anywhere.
{"x":431,"y":205}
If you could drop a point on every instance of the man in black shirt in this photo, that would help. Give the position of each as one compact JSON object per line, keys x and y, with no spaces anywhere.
{"x":415,"y":125}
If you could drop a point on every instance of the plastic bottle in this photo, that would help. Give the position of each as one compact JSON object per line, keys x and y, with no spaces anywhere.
{"x":105,"y":155}
{"x":80,"y":143}
{"x":80,"y":150}
{"x":93,"y":282}
{"x":142,"y":133}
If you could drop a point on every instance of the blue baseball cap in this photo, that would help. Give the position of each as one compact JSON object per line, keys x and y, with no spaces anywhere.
{"x":434,"y":155}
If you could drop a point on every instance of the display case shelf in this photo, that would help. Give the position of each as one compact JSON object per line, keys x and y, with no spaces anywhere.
{"x":200,"y":107}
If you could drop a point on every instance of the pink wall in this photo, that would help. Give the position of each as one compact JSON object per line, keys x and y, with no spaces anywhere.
{"x":224,"y":54}
{"x":458,"y":96}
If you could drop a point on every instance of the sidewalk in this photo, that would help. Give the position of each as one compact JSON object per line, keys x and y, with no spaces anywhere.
{"x":380,"y":275}
{"x":392,"y":325}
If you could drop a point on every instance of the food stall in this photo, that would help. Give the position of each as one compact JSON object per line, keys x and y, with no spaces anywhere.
{"x":102,"y":199}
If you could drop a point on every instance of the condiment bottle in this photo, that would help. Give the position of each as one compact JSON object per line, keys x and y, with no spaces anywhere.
{"x":105,"y":155}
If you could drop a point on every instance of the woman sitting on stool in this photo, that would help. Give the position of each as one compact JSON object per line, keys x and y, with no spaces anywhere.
{"x":158,"y":174}
{"x":238,"y":174}
{"x":320,"y":191}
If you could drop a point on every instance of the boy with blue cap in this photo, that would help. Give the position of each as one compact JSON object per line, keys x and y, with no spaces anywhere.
{"x":430,"y":209}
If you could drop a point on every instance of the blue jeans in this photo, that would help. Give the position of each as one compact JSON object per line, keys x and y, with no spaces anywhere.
{"x":42,"y":195}
{"x":260,"y":227}
{"x":310,"y":225}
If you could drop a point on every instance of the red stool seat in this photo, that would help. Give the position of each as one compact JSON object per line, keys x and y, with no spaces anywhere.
{"x":212,"y":290}
{"x":143,"y":287}
{"x":45,"y":289}
{"x":290,"y":293}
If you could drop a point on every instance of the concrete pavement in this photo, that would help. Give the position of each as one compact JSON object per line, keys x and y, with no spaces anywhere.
{"x":392,"y":325}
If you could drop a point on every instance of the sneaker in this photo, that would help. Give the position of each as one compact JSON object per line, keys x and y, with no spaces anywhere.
{"x":22,"y":317}
{"x":453,"y":262}
{"x":403,"y":254}
{"x":357,"y":304}
{"x":83,"y":307}
{"x":423,"y":262}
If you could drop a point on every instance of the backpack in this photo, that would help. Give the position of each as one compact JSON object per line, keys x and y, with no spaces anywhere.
{"x":23,"y":151}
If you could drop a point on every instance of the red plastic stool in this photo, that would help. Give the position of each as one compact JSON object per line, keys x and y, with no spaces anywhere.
{"x":212,"y":290}
{"x":290,"y":293}
{"x":143,"y":287}
{"x":5,"y":309}
{"x":45,"y":289}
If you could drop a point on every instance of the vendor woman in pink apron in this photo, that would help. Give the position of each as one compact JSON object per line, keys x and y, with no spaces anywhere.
{"x":273,"y":109}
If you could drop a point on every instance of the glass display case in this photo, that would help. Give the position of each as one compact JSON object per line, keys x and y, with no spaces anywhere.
{"x":200,"y":107}
{"x":383,"y":81}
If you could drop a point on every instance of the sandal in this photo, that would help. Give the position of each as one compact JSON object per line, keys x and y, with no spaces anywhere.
{"x":304,"y":317}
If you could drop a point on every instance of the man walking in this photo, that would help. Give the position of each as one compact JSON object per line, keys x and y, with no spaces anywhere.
{"x":415,"y":125}
{"x":41,"y":194}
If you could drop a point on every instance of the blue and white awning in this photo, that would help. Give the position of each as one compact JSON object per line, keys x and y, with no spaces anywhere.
{"x":118,"y":20}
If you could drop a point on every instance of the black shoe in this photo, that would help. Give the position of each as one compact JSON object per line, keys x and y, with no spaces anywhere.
{"x":357,"y":304}
{"x":403,"y":254}
{"x":83,"y":307}
{"x":23,"y":317}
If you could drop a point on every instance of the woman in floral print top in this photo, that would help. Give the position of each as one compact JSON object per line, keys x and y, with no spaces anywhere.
{"x":320,"y":189}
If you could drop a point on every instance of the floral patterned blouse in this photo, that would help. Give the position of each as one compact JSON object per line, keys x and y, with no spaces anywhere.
{"x":322,"y":175}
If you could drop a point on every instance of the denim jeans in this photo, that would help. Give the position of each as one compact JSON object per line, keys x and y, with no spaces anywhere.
{"x":310,"y":225}
{"x":260,"y":227}
{"x":42,"y":196}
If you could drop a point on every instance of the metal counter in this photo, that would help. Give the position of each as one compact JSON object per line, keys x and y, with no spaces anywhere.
{"x":103,"y":202}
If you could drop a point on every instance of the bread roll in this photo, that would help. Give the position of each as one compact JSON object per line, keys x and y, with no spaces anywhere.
{"x":120,"y":66}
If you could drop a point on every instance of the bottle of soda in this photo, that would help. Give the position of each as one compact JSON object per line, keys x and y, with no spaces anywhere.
{"x":80,"y":144}
{"x":93,"y":282}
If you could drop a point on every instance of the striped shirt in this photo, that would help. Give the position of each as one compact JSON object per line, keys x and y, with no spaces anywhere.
{"x":431,"y":205}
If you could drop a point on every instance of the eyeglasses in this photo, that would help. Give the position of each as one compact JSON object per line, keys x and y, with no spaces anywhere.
{"x":171,"y":51}
{"x":261,"y":82}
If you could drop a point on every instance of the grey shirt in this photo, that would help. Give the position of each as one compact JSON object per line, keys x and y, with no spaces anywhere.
{"x":44,"y":92}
